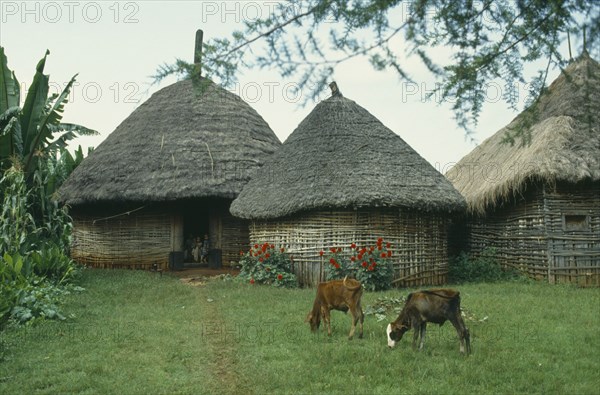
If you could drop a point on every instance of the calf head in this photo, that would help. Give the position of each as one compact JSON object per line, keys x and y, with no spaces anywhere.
{"x":395,"y":331}
{"x":313,"y":320}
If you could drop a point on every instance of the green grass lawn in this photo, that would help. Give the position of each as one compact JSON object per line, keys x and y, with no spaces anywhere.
{"x":136,"y":332}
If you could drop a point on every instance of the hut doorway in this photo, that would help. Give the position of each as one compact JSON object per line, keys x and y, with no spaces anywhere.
{"x":195,"y":225}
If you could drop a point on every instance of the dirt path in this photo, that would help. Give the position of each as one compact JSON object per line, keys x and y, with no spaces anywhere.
{"x":224,"y":363}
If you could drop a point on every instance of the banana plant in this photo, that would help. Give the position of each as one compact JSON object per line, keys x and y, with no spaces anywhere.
{"x":35,"y":130}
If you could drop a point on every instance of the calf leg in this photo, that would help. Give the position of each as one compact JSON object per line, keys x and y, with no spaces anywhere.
{"x":327,"y":319}
{"x":353,"y":327}
{"x":416,"y":334}
{"x":422,"y":335}
{"x":360,"y":319}
{"x":463,"y":334}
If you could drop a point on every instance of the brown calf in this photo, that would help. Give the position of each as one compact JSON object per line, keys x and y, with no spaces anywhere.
{"x":342,"y":295}
{"x":434,"y":305}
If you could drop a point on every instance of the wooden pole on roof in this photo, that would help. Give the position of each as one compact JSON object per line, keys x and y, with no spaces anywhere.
{"x":569,"y":41}
{"x":198,"y":53}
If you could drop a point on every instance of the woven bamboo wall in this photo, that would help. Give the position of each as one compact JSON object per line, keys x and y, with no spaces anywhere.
{"x":419,"y":242}
{"x":531,"y":234}
{"x":574,"y":246}
{"x":102,"y":238}
{"x":234,"y":238}
{"x":134,"y":241}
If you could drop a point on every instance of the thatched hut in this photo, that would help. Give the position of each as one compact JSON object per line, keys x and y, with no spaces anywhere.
{"x":538,"y":205}
{"x":343,"y":177}
{"x":168,"y":171}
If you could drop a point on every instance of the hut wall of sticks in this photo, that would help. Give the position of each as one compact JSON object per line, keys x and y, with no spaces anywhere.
{"x":342,"y":177}
{"x":418,"y":242}
{"x":136,"y":240}
{"x":538,"y":205}
{"x":143,"y":237}
{"x":182,"y":156}
{"x":552,"y":233}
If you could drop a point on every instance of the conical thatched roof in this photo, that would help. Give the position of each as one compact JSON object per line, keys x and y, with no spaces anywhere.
{"x":341,"y":156}
{"x":565,"y":143}
{"x":189,"y":140}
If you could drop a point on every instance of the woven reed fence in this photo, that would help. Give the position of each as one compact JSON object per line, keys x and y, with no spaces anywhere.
{"x":135,"y":241}
{"x":419,"y":241}
{"x":551,"y":234}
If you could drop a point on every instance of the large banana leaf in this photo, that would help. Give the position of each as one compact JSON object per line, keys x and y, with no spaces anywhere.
{"x":48,"y":123}
{"x":33,"y":109}
{"x":9,"y":86}
{"x":11,"y":143}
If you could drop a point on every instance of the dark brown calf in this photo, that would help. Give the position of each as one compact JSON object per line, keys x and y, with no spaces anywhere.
{"x":436,"y":306}
{"x":342,"y":295}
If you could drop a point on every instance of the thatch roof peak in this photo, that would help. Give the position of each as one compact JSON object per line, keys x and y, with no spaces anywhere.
{"x":564,"y":146}
{"x":341,"y":156}
{"x":191,"y":139}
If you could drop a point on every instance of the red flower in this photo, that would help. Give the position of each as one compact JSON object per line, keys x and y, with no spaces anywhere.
{"x":264,"y":247}
{"x":353,"y":258}
{"x":256,"y":246}
{"x":383,"y":255}
{"x":379,"y":240}
{"x":364,"y":264}
{"x":372,"y":248}
{"x":333,"y":250}
{"x":332,"y":261}
{"x":353,"y":245}
{"x":251,"y":281}
{"x":388,"y":245}
{"x":272,"y":246}
{"x":379,"y":247}
{"x":241,"y":252}
{"x":267,"y":255}
{"x":260,"y":259}
{"x":279,"y":277}
{"x":337,"y":265}
{"x":321,"y":253}
{"x":360,"y":255}
{"x":282,"y":249}
{"x":389,"y":254}
{"x":339,"y":249}
{"x":370,"y":252}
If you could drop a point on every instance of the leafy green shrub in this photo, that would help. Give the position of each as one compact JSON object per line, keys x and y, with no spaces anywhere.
{"x":370,"y":265}
{"x":17,"y":226}
{"x":263,"y":264}
{"x":51,"y":262}
{"x":24,"y":295}
{"x":483,"y":268}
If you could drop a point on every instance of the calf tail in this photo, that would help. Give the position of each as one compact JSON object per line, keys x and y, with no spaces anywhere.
{"x":354,"y":288}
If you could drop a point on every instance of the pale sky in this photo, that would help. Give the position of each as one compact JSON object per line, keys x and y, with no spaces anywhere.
{"x":116,"y":46}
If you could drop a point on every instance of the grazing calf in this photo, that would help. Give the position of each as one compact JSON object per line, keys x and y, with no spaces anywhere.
{"x":340,"y":295}
{"x":434,"y":305}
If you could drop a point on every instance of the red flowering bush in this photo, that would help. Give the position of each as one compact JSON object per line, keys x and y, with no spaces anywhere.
{"x":264,"y":264}
{"x":369,"y":264}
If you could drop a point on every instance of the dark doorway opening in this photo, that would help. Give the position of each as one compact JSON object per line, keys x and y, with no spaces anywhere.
{"x":195,"y":226}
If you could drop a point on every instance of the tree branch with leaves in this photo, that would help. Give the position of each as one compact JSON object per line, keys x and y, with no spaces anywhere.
{"x":490,"y":40}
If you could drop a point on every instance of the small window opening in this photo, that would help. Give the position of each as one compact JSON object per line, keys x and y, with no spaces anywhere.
{"x":576,"y":222}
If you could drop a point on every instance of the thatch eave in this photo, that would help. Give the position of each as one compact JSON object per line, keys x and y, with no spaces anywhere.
{"x":342,"y":157}
{"x":564,"y":146}
{"x":189,"y":140}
